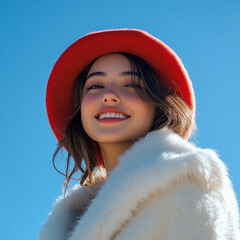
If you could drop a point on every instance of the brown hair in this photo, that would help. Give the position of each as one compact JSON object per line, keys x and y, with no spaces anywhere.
{"x":170,"y":111}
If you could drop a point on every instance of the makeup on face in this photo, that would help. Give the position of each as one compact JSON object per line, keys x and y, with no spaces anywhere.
{"x":111,"y":109}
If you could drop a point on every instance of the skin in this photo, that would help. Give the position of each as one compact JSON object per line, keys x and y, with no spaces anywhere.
{"x":109,"y":84}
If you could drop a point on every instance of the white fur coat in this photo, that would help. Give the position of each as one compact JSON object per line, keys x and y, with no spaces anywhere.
{"x":163,"y":188}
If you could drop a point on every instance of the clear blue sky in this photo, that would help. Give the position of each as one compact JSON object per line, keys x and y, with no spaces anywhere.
{"x":205,"y":34}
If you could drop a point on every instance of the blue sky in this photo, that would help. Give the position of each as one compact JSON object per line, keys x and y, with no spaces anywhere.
{"x":205,"y":34}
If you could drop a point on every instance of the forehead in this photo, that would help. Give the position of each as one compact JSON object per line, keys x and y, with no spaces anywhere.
{"x":111,"y":62}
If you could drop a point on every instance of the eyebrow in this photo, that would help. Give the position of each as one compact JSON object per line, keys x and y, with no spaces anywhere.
{"x":130,"y":73}
{"x":96,"y":74}
{"x":103,"y":74}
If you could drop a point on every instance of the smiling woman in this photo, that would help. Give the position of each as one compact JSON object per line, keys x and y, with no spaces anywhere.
{"x":115,"y":93}
{"x":129,"y":108}
{"x":152,"y":105}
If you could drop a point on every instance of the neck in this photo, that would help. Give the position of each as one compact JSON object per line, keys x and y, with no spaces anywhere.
{"x":111,"y":153}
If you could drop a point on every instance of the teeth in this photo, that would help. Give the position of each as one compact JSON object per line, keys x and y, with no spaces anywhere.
{"x":112,"y":115}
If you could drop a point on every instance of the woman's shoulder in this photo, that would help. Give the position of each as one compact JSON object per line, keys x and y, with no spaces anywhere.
{"x":170,"y":158}
{"x":183,"y":182}
{"x":165,"y":184}
{"x":77,"y":198}
{"x":67,"y":209}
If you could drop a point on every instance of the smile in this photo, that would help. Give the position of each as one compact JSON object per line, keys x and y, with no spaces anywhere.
{"x":112,"y":115}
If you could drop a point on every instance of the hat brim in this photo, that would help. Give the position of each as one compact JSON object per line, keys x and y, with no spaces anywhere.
{"x":59,"y":95}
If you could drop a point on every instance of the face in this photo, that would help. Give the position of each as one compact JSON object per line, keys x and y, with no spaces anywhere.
{"x":111,"y":110}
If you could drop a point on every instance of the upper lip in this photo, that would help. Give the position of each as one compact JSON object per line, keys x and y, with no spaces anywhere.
{"x":110,"y":110}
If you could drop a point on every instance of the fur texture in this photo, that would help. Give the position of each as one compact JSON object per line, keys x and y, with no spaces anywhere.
{"x":163,"y":188}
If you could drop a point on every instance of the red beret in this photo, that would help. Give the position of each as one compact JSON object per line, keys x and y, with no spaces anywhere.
{"x":59,"y":96}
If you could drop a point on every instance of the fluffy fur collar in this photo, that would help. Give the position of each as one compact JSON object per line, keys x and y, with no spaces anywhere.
{"x":154,"y":163}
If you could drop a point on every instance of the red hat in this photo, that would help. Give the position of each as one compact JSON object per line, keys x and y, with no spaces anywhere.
{"x":59,"y":96}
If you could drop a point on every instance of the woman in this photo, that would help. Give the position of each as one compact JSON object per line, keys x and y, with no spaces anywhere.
{"x":121,"y":100}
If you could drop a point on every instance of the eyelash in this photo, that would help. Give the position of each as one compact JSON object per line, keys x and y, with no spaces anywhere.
{"x":97,"y":86}
{"x":94,"y":86}
{"x":135,"y":85}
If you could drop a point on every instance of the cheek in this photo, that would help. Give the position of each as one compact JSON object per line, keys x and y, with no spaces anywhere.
{"x":132,"y":98}
{"x":87,"y":105}
{"x":145,"y":112}
{"x":87,"y":110}
{"x":140,"y":106}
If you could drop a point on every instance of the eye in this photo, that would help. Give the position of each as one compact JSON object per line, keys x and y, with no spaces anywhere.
{"x":95,"y":86}
{"x":134,"y":85}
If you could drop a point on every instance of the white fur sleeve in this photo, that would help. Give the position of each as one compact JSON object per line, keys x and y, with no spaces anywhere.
{"x":66,"y":210}
{"x":185,"y":213}
{"x":202,"y":216}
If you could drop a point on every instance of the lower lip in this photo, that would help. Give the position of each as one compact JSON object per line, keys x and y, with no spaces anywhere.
{"x":111,"y":120}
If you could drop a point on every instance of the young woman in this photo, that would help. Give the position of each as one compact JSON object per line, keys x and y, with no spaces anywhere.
{"x":121,"y":101}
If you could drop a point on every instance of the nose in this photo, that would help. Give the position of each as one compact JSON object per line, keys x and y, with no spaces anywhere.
{"x":110,"y":97}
